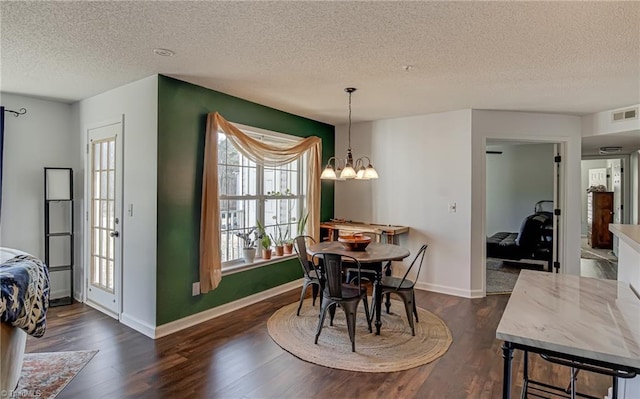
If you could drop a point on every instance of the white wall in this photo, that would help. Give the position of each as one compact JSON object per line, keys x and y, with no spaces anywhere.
{"x":528,"y":127}
{"x":445,"y":156}
{"x":42,"y":137}
{"x":137,"y":101}
{"x":424,"y":163}
{"x":584,"y":185}
{"x":634,"y":177}
{"x":358,"y":207}
{"x":600,"y":123}
{"x":516,"y":179}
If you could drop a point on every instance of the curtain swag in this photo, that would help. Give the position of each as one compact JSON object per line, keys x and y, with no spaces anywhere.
{"x":260,"y":153}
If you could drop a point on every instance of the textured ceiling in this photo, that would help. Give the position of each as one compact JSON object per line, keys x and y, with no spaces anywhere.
{"x":563,"y":57}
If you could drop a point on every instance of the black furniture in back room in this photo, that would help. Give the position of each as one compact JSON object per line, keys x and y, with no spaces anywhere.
{"x":534,"y":241}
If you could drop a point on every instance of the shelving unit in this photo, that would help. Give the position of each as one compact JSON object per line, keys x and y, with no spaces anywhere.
{"x":58,"y":216}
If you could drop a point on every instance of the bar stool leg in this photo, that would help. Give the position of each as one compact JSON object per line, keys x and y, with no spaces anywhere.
{"x":574,"y":377}
{"x":507,"y":355}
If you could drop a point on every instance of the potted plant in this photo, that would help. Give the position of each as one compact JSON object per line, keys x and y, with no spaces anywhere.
{"x":278,"y":245}
{"x":281,"y":240}
{"x":288,"y":246}
{"x":266,"y":246}
{"x":248,"y":247}
{"x":260,"y":233}
{"x":302,"y":223}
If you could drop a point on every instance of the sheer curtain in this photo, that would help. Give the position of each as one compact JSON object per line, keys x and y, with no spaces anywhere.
{"x":260,"y":153}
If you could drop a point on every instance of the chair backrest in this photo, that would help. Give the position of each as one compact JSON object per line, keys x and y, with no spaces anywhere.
{"x":332,"y":272}
{"x":419,"y":255}
{"x":300,"y":246}
{"x":531,"y":230}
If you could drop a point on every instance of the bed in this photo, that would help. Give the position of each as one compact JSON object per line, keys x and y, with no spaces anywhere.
{"x":24,"y":301}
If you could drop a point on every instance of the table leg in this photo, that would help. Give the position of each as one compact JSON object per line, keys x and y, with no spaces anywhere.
{"x":525,"y":375}
{"x":378,"y":298}
{"x":387,"y":272}
{"x":507,"y":355}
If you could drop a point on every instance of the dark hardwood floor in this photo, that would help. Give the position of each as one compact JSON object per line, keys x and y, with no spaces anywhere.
{"x":234,"y":357}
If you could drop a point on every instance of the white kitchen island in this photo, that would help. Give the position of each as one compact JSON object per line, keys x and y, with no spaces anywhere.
{"x":628,"y":253}
{"x":628,"y":272}
{"x":583,"y":322}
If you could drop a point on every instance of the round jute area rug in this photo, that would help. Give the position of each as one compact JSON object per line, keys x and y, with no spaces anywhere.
{"x":395,"y":349}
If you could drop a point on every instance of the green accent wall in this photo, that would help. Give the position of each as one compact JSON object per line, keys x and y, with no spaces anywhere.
{"x":182,"y":114}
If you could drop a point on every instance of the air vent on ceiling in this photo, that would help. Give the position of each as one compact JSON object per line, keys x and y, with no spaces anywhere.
{"x":625,"y":114}
{"x":609,"y":150}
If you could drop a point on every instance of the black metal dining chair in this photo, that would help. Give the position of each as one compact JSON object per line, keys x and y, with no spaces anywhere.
{"x":311,"y":274}
{"x":404,"y":288}
{"x":338,"y":293}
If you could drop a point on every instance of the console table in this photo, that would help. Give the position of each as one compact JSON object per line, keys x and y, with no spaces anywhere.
{"x":390,"y":232}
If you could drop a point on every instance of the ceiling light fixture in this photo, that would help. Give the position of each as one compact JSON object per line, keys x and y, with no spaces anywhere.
{"x":164,"y":52}
{"x":351,"y":170}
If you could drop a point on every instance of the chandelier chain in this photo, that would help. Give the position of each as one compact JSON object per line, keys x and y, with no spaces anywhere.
{"x":350,"y":120}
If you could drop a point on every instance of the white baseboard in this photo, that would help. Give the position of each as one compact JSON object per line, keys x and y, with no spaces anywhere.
{"x":138,"y":325}
{"x":443,"y":289}
{"x":102,"y":309}
{"x":59,"y":294}
{"x":189,"y":321}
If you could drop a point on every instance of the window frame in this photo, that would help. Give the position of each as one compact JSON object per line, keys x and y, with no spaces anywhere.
{"x":261,"y":197}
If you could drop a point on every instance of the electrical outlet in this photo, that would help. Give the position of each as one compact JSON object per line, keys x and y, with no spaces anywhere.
{"x":452,"y":207}
{"x":195,"y":289}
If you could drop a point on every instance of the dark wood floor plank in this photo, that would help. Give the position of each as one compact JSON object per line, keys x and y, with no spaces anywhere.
{"x":233,"y":356}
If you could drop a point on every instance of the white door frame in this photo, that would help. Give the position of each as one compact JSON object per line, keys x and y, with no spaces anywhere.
{"x":558,"y":245}
{"x":626,"y":181}
{"x":625,"y":187}
{"x":86,"y":253}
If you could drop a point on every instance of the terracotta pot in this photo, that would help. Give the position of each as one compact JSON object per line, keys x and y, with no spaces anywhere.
{"x":266,"y":253}
{"x":279,"y":250}
{"x":288,"y":248}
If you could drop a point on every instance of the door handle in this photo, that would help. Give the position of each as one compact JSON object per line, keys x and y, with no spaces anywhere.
{"x":114,"y":234}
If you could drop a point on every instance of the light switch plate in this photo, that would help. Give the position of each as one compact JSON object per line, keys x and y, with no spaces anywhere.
{"x":195,"y":289}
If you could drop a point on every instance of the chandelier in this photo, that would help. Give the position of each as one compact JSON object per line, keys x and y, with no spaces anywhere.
{"x":346,"y":168}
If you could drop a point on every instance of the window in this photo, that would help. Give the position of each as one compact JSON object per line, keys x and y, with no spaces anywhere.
{"x":274,"y":196}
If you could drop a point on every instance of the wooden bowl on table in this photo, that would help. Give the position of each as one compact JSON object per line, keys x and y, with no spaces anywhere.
{"x":355,"y":242}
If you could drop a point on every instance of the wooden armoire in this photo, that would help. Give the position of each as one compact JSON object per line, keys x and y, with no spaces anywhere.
{"x":599,"y":215}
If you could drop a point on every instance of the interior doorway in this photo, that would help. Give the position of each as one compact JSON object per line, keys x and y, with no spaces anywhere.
{"x":605,"y":175}
{"x":523,"y":185}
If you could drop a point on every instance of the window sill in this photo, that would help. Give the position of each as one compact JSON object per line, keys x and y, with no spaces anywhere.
{"x":240,"y":266}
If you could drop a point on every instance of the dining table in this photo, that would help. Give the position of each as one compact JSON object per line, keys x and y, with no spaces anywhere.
{"x":374,"y":257}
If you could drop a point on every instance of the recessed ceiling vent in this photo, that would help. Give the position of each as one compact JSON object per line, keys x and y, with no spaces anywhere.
{"x":625,"y":114}
{"x":609,"y":150}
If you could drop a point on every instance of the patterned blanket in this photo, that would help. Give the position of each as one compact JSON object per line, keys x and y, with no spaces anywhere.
{"x":24,"y":294}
